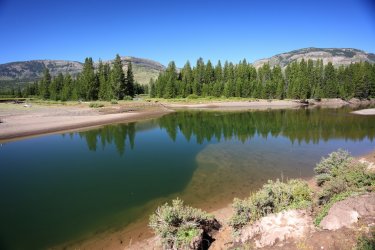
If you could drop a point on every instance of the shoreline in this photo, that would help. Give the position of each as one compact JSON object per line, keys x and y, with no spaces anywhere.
{"x":18,"y":122}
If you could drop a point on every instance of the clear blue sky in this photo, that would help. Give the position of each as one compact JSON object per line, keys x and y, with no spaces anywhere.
{"x":180,"y":30}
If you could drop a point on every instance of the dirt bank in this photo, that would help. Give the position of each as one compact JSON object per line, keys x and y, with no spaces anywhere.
{"x":18,"y":121}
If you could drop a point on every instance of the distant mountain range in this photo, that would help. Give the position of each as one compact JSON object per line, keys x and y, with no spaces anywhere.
{"x":144,"y":69}
{"x":336,"y":56}
{"x":28,"y":71}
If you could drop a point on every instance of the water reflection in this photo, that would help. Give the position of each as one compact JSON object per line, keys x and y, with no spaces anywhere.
{"x":304,"y":125}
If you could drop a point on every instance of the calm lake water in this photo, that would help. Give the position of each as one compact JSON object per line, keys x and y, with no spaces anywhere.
{"x":66,"y":187}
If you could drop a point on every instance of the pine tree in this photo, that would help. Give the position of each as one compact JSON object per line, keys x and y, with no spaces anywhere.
{"x":66,"y":91}
{"x":278,"y":80}
{"x":44,"y":84}
{"x":330,"y":81}
{"x":187,"y":80}
{"x":199,"y":73}
{"x":171,"y":75}
{"x":117,"y":79}
{"x":152,"y":88}
{"x":88,"y":89}
{"x":129,"y":81}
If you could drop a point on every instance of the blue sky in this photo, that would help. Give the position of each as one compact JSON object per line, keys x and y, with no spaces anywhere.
{"x":180,"y":30}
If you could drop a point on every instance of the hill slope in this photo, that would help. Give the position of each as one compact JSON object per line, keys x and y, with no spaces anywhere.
{"x":335,"y":55}
{"x":28,"y":71}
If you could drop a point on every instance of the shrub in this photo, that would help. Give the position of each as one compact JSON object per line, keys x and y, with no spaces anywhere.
{"x":340,"y":177}
{"x":96,"y":105}
{"x":327,"y":167}
{"x":344,"y":175}
{"x":367,"y":242}
{"x":127,"y":98}
{"x":114,"y":101}
{"x":192,"y":96}
{"x":180,"y":226}
{"x":273,"y":197}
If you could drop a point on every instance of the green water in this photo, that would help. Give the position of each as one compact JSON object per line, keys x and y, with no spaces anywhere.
{"x":65,"y":187}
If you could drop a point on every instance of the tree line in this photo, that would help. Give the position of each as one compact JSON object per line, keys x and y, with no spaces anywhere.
{"x":299,"y":80}
{"x":105,"y":83}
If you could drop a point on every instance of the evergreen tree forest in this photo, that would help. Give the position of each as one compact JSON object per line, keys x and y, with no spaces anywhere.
{"x":104,"y":83}
{"x":299,"y":80}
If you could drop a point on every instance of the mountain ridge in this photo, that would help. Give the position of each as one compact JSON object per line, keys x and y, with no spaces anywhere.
{"x":32,"y":70}
{"x":144,"y":69}
{"x":338,"y":56}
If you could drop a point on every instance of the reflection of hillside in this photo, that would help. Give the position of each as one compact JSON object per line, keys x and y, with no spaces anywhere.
{"x":309,"y":125}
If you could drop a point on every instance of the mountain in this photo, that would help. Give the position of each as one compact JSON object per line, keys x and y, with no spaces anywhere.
{"x":29,"y":71}
{"x":335,"y":55}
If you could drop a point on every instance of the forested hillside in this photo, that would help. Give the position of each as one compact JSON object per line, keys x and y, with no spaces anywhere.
{"x":299,"y":80}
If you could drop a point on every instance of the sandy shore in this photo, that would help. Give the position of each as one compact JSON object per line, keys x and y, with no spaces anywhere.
{"x":17,"y":121}
{"x":365,"y":112}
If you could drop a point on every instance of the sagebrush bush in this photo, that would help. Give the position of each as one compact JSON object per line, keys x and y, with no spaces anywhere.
{"x":178,"y":225}
{"x":127,"y":98}
{"x":96,"y":105}
{"x":273,"y":197}
{"x":339,"y":173}
{"x":192,"y":96}
{"x":326,"y":168}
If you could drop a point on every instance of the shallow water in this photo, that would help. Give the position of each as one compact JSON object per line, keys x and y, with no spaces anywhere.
{"x":67,"y":187}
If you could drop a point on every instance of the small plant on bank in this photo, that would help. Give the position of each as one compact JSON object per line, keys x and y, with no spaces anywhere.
{"x":114,"y":101}
{"x":366,"y":241}
{"x":180,"y":226}
{"x":192,"y":96}
{"x":273,"y":197}
{"x":327,"y":167}
{"x":96,"y":105}
{"x":343,"y":177}
{"x":127,"y":98}
{"x":341,"y":174}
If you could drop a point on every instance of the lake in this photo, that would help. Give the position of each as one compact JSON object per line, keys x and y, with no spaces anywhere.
{"x":67,"y":187}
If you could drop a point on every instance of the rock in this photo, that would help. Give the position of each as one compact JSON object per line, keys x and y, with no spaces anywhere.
{"x":277,"y":227}
{"x":345,"y":213}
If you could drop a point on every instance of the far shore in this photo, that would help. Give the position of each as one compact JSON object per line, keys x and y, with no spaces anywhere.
{"x":18,"y":121}
{"x":365,"y":112}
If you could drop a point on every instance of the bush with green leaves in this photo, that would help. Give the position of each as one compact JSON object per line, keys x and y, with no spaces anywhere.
{"x":366,"y":241}
{"x":114,"y":101}
{"x":342,"y":174}
{"x":127,"y":98}
{"x":273,"y":197}
{"x":180,"y":226}
{"x":192,"y":96}
{"x":326,"y":168}
{"x":96,"y":105}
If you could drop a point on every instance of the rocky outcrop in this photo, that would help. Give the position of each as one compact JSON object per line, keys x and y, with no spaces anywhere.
{"x":274,"y":228}
{"x":337,"y":56}
{"x":345,"y":213}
